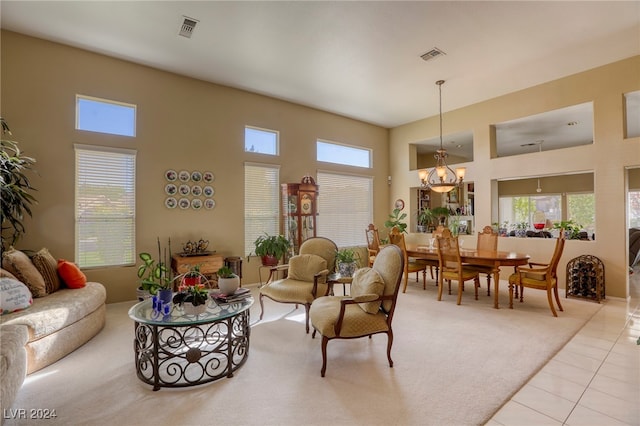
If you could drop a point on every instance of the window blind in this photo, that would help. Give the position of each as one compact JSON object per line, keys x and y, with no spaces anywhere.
{"x":105,"y":206}
{"x":261,"y":202}
{"x":345,"y":206}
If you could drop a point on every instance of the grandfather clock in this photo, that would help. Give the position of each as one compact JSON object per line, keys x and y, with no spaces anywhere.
{"x":299,"y":211}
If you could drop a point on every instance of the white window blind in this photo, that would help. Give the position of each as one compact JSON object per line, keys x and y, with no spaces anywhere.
{"x":261,"y":202}
{"x":105,"y":206}
{"x":345,"y":207}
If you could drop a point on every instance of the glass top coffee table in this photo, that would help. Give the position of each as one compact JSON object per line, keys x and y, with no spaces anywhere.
{"x":178,"y":350}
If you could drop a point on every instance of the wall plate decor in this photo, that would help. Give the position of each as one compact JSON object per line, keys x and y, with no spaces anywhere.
{"x":208,"y":191}
{"x":170,"y":202}
{"x":208,"y":177}
{"x":171,"y":175}
{"x":209,"y":203}
{"x":196,"y":176}
{"x":170,"y":189}
{"x":184,"y":189}
{"x":196,"y":204}
{"x":399,"y":204}
{"x":196,"y":190}
{"x":184,"y":176}
{"x":184,"y":203}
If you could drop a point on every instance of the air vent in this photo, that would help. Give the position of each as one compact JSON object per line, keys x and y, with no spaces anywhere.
{"x":433,"y":53}
{"x":188,"y":26}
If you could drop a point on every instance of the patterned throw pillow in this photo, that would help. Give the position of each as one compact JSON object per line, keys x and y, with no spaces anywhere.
{"x":48,"y":268}
{"x":304,"y":266}
{"x":367,"y":281}
{"x":14,"y":296}
{"x":19,"y":264}
{"x":72,"y":276}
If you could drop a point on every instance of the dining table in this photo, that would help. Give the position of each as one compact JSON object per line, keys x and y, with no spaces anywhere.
{"x":492,"y":258}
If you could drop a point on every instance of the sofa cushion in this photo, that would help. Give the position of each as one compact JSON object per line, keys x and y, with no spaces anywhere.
{"x":19,"y":264}
{"x":6,"y":274}
{"x":367,"y":281}
{"x":46,"y":264}
{"x":72,"y":276}
{"x":50,"y":314}
{"x":14,"y":296}
{"x":303,"y":267}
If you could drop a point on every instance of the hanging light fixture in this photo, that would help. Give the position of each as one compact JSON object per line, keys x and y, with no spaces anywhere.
{"x":441,"y":178}
{"x":539,"y":189}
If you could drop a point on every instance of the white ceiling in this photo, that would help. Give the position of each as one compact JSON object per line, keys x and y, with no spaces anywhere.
{"x":358,"y":59}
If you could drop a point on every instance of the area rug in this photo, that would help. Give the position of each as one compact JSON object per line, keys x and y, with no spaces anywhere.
{"x":453,"y":365}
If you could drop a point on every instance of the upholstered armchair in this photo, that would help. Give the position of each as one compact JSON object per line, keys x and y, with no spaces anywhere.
{"x":306,"y":276}
{"x":369,"y":308}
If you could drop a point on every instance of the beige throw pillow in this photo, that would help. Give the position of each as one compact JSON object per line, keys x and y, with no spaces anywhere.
{"x":304,"y":266}
{"x":47,"y":265}
{"x":19,"y":264}
{"x":367,"y":281}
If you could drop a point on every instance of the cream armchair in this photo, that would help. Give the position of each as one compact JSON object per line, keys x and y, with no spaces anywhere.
{"x":368,"y":310}
{"x":306,"y":276}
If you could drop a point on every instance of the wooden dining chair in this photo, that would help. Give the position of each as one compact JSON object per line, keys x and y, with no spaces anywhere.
{"x":487,"y":241}
{"x":540,"y":276}
{"x":373,"y":242}
{"x":410,"y":265}
{"x":451,"y":267}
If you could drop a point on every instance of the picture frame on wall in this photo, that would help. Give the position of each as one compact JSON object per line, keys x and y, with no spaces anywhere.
{"x":452,"y":196}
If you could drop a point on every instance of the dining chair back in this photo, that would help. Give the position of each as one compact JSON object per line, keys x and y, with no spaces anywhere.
{"x":487,"y":241}
{"x":540,"y":276}
{"x":451,"y":267}
{"x":410,"y":265}
{"x":373,"y":242}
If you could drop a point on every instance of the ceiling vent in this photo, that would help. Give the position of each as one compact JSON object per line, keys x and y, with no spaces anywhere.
{"x":188,"y":26}
{"x":432,"y":54}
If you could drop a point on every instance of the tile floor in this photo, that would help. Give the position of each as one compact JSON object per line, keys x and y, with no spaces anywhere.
{"x":593,"y":380}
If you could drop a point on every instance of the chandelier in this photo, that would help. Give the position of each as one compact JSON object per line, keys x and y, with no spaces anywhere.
{"x":441,"y":178}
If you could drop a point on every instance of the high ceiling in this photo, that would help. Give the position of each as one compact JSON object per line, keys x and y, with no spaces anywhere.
{"x":358,"y":59}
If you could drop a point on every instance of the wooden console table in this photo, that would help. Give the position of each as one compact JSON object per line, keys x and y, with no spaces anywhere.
{"x":209,"y":265}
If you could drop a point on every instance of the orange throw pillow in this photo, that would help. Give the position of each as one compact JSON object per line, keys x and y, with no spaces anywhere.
{"x":72,"y":276}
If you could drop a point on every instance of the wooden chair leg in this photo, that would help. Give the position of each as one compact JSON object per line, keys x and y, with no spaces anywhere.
{"x":553,"y":310}
{"x":261,"y":307}
{"x":306,"y":308}
{"x":555,"y":291}
{"x":489,"y":284}
{"x":406,"y":280}
{"x":324,"y":355}
{"x":389,"y":343}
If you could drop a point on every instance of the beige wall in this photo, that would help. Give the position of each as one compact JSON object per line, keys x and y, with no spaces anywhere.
{"x":182,"y":123}
{"x":606,"y":158}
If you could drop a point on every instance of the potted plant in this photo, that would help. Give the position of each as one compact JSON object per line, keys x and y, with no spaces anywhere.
{"x":193,"y":299}
{"x":521,"y":229}
{"x":395,"y":220}
{"x":271,"y":248}
{"x":425,"y":219}
{"x":571,"y":229}
{"x":192,"y":277}
{"x":153,"y":277}
{"x":347,"y":261}
{"x":442,"y":213}
{"x":228,"y":281}
{"x":15,"y":187}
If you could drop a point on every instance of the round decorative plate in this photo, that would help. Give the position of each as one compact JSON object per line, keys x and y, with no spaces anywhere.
{"x":208,"y":191}
{"x":208,"y":177}
{"x":209,"y":203}
{"x":196,"y":204}
{"x":171,"y":175}
{"x":196,"y":176}
{"x":184,"y":203}
{"x":170,"y":203}
{"x":399,"y":204}
{"x":196,"y":190}
{"x":184,"y":189}
{"x":184,"y":176}
{"x":170,"y":189}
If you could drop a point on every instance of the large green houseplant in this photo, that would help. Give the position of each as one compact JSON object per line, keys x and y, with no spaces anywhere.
{"x":271,"y":248}
{"x":15,"y":186}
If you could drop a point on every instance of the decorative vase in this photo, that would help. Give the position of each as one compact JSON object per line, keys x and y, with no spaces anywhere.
{"x":191,"y":309}
{"x":346,"y":269}
{"x":165,"y":295}
{"x":191,"y":281}
{"x":269,"y":260}
{"x":228,"y":286}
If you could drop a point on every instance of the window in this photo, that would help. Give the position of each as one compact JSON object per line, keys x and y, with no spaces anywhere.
{"x":634,"y":209}
{"x":105,"y":206}
{"x":105,"y":116}
{"x":632,"y":114}
{"x":345,"y":207}
{"x":516,"y":210}
{"x":261,"y":202}
{"x":330,"y":152}
{"x":261,"y":141}
{"x":581,"y":208}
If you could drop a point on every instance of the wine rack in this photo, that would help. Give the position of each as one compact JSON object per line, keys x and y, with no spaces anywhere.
{"x":585,"y":278}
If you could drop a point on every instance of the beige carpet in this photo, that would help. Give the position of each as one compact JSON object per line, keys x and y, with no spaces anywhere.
{"x":454,"y":365}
